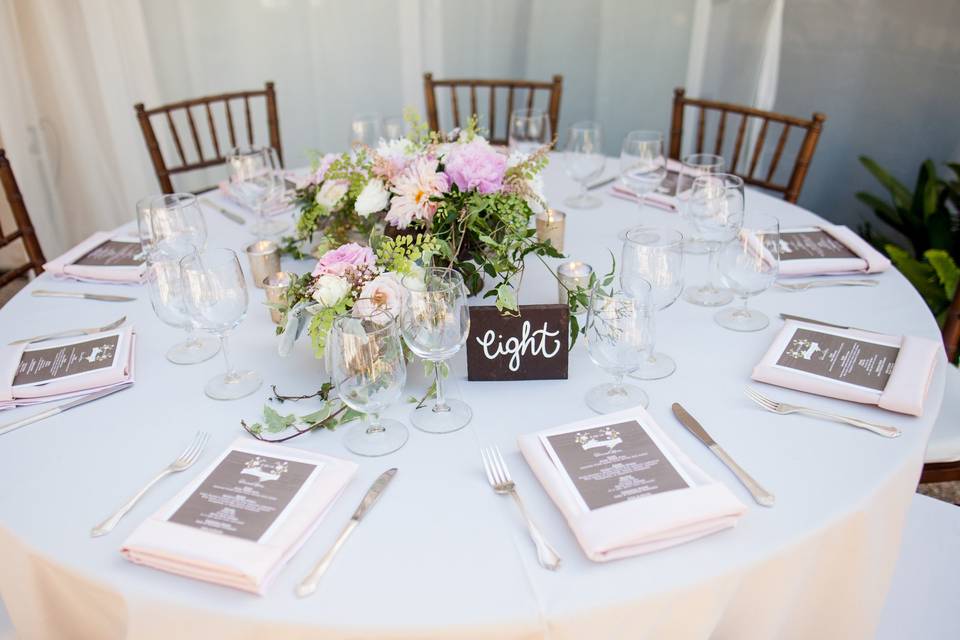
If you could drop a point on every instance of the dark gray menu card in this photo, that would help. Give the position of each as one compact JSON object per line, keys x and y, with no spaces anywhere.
{"x":669,"y":185}
{"x":244,"y":495}
{"x":614,"y":463}
{"x":52,"y":363}
{"x":113,"y":253}
{"x":838,"y":357}
{"x":814,"y":244}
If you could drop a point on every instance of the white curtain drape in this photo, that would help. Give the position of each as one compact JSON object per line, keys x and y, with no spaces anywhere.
{"x":885,"y":73}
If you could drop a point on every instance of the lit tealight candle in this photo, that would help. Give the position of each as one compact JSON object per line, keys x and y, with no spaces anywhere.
{"x":264,"y":258}
{"x":276,"y":286}
{"x":572,"y":275}
{"x":550,"y":226}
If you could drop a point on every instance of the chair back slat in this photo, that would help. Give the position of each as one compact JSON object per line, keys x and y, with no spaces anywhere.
{"x":202,"y":160}
{"x":796,"y":175}
{"x":553,"y":89}
{"x":24,"y":231}
{"x":213,"y":129}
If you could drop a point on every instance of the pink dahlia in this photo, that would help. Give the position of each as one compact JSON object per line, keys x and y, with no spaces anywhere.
{"x":414,"y":188}
{"x":475,"y":165}
{"x":339,"y":261}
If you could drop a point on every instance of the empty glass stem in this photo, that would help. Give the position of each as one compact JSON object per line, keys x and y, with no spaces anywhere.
{"x":373,"y":423}
{"x":440,"y":405}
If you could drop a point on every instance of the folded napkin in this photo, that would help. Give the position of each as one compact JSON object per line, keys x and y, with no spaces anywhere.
{"x":866,"y":258}
{"x":232,"y":561}
{"x":657,"y":198}
{"x":283,"y":205}
{"x":87,"y":364}
{"x":642,"y":524}
{"x":65,"y":266}
{"x":892,"y":372}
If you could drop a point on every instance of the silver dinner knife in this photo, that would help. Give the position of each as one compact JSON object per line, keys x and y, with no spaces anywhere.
{"x":309,"y":584}
{"x":49,"y":413}
{"x":787,"y":316}
{"x":102,"y":297}
{"x":600,"y":183}
{"x":761,"y":495}
{"x":229,"y":215}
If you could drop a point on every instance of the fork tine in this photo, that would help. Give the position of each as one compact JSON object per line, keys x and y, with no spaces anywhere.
{"x":760,"y":399}
{"x":503,"y":465}
{"x":486,"y":467}
{"x":191,"y":453}
{"x":497,"y":470}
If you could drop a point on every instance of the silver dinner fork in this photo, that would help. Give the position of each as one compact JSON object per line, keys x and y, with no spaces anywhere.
{"x":783,"y":409}
{"x":499,"y":477}
{"x":183,"y":461}
{"x":813,"y":284}
{"x":73,"y":332}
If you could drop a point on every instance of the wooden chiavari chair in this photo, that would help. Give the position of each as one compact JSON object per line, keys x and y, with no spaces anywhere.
{"x":520,"y":94}
{"x":188,"y":161}
{"x":24,"y":228}
{"x":810,"y":128}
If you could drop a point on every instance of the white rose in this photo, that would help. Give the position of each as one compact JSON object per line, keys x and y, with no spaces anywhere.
{"x":330,"y":290}
{"x":373,"y":198}
{"x":331,"y":193}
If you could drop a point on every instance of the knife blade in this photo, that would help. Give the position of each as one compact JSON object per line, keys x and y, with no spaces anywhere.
{"x":787,"y":316}
{"x":229,"y":215}
{"x":49,"y":413}
{"x":600,"y":183}
{"x":309,"y":584}
{"x":102,"y":297}
{"x":760,"y":495}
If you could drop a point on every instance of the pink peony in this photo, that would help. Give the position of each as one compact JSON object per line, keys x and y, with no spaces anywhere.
{"x":339,"y":261}
{"x":475,"y":165}
{"x":414,"y":188}
{"x":383,"y":293}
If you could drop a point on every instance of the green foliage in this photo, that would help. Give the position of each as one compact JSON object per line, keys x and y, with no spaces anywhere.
{"x":928,"y":218}
{"x":402,"y":253}
{"x":322,"y":321}
{"x":331,"y":414}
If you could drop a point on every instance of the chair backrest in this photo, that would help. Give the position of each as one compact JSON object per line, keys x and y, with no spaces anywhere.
{"x":951,"y":328}
{"x":209,"y":154}
{"x":520,"y":94}
{"x":24,"y":228}
{"x":745,"y":164}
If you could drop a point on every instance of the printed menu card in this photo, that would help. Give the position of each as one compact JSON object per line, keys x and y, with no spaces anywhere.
{"x":625,"y":487}
{"x":812,"y":244}
{"x":245,"y":495}
{"x":612,"y":463}
{"x":113,"y":253}
{"x":42,"y":365}
{"x":892,"y":372}
{"x":827,"y":249}
{"x":106,"y":256}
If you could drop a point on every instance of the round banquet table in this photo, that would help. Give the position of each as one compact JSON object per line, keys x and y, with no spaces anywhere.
{"x":441,"y":555}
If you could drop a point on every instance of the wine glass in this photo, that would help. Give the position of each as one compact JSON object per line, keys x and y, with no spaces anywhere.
{"x":642,"y":163}
{"x":166,"y":296}
{"x":365,"y":360}
{"x":176,"y":223}
{"x":256,"y":179}
{"x":693,"y":166}
{"x":585,"y":161}
{"x":715,"y":208}
{"x":215,"y":292}
{"x":528,"y":130}
{"x":366,"y":129}
{"x":653,"y":256}
{"x":617,"y":333}
{"x":144,"y":229}
{"x":394,"y":128}
{"x":435,"y":322}
{"x":749,"y":264}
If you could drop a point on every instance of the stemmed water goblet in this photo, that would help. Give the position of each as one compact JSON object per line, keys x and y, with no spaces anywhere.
{"x":167,"y":298}
{"x":435,"y":322}
{"x":366,"y":129}
{"x":617,"y":333}
{"x":215,"y":292}
{"x":693,"y":166}
{"x":365,"y":359}
{"x":584,"y":161}
{"x":176,"y":224}
{"x":528,"y":130}
{"x":653,"y":256}
{"x":642,"y":164}
{"x":256,"y":178}
{"x":715,"y":208}
{"x":394,"y":128}
{"x":749,"y":265}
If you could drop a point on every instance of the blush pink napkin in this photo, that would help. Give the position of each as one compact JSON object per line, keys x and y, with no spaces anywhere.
{"x":64,"y":267}
{"x":231,"y":561}
{"x":120,"y":373}
{"x":869,"y":261}
{"x":654,"y":199}
{"x":906,"y":390}
{"x":644,"y":524}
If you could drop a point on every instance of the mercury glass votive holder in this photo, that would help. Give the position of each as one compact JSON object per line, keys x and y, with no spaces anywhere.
{"x":551,"y":225}
{"x":264,"y":257}
{"x":571,"y":275}
{"x":276,"y":286}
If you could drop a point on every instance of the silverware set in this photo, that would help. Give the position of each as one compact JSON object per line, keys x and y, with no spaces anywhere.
{"x":183,"y":462}
{"x":783,"y":408}
{"x":226,"y":213}
{"x":72,"y":333}
{"x":499,"y":477}
{"x":816,"y":284}
{"x":101,"y":297}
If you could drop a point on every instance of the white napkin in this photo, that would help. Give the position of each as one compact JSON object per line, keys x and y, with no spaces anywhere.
{"x":868,"y":259}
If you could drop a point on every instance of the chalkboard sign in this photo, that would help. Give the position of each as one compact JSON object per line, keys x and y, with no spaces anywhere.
{"x":531,"y":346}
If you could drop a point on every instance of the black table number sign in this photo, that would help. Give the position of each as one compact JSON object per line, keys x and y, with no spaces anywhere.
{"x":529,"y":346}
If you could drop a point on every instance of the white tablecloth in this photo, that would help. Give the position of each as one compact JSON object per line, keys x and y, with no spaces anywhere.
{"x":441,"y":555}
